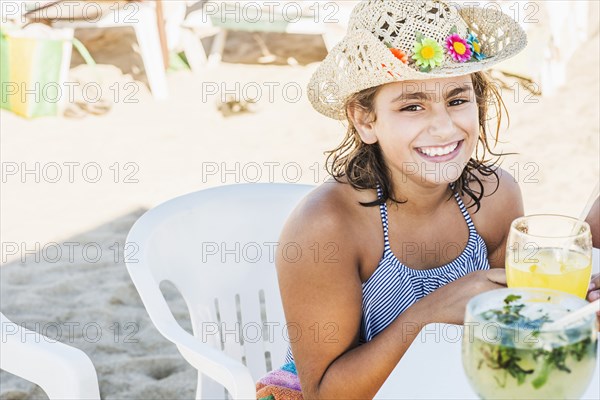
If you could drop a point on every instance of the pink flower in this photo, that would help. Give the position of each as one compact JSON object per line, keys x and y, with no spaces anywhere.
{"x":458,"y":48}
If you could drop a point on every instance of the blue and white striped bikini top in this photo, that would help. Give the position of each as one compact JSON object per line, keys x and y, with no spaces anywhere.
{"x":394,"y":287}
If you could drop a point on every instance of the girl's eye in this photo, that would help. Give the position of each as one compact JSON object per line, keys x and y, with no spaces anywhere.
{"x":414,"y":107}
{"x":458,"y":102}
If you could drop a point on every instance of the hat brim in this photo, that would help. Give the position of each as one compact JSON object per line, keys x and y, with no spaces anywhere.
{"x":361,"y":61}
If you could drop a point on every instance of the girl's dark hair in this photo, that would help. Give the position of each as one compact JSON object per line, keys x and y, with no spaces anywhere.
{"x":364,"y":167}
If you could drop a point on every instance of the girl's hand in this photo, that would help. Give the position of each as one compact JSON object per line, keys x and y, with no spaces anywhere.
{"x":450,"y":301}
{"x":594,"y":291}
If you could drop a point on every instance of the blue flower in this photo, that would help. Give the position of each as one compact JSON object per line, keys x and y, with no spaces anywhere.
{"x":475,"y":47}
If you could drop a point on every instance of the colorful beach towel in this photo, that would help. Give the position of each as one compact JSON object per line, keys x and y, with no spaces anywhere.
{"x":280,"y":384}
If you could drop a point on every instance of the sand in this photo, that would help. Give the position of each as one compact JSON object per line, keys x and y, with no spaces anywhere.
{"x":161,"y":150}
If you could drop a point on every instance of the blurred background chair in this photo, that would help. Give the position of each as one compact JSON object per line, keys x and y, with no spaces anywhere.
{"x":196,"y":26}
{"x":325,"y":18}
{"x":217,"y":247}
{"x":145,"y":17}
{"x":62,"y":371}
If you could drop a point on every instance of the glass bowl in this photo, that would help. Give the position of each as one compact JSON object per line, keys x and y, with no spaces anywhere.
{"x":507,"y":353}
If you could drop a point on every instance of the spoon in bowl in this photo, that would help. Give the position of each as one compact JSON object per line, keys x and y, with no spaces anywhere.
{"x":574,"y":316}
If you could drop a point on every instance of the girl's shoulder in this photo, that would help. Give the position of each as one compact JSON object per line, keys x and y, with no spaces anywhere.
{"x":501,"y":189}
{"x":332,"y":205}
{"x":501,"y":204}
{"x":330,"y":216}
{"x":498,"y":189}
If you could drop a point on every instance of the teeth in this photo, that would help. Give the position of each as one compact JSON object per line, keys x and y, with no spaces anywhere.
{"x":438,"y":151}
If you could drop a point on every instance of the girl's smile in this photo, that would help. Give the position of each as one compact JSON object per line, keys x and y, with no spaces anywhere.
{"x":438,"y":154}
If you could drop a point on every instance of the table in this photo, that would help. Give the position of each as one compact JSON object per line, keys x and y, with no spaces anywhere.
{"x":423,"y":374}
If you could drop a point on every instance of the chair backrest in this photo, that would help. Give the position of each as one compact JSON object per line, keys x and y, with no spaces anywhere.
{"x":217,"y":247}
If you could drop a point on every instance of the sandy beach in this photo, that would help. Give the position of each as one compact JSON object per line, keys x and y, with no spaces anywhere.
{"x":141,"y":153}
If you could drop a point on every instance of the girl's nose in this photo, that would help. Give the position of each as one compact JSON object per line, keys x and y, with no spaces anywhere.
{"x":441,"y":125}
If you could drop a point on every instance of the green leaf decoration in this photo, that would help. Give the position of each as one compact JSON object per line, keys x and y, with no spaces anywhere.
{"x":426,"y":68}
{"x":453,"y":30}
{"x":511,"y":298}
{"x":388,"y":45}
{"x":420,"y":37}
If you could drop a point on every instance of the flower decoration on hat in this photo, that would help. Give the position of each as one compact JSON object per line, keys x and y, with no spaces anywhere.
{"x":475,"y":47}
{"x":458,"y":48}
{"x":428,"y":53}
{"x":399,"y":54}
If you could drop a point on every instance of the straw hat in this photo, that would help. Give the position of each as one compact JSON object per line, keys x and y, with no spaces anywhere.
{"x":397,"y":40}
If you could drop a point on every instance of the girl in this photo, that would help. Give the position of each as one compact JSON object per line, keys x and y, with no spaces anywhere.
{"x":415,"y":213}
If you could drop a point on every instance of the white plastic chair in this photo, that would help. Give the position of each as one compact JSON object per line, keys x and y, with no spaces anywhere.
{"x":141,"y":16}
{"x":62,"y":371}
{"x":217,"y":247}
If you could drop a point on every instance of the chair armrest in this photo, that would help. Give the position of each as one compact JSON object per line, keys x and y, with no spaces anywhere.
{"x":232,"y":374}
{"x":62,"y":371}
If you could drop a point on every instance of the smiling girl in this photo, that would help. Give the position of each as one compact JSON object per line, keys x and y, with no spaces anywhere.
{"x":417,"y":215}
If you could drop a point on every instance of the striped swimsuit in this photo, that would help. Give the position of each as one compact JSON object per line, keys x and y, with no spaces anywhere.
{"x":394,"y":287}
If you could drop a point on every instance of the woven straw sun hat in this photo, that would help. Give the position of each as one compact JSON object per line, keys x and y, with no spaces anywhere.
{"x":396,"y":40}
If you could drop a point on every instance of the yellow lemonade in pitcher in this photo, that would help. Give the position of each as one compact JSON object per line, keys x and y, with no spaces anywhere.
{"x":551,"y":268}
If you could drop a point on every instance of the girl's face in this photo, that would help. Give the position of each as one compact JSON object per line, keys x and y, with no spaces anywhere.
{"x":427,"y":129}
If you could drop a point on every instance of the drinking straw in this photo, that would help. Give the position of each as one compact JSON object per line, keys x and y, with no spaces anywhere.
{"x":590,"y":203}
{"x":586,"y":209}
{"x":580,"y":221}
